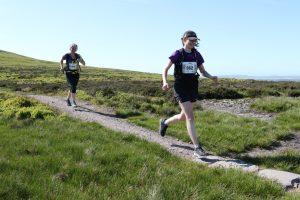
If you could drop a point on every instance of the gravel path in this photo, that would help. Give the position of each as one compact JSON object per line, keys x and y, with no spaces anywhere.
{"x":87,"y":112}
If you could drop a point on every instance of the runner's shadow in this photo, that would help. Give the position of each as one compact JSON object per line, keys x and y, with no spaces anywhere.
{"x":182,"y":146}
{"x":210,"y":158}
{"x":224,"y":162}
{"x":187,"y":148}
{"x":84,"y":109}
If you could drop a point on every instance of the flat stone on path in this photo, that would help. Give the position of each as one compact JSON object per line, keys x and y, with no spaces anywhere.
{"x":287,"y":179}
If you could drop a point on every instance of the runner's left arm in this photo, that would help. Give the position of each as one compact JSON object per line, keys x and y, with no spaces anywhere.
{"x":81,"y":61}
{"x":206,"y":74}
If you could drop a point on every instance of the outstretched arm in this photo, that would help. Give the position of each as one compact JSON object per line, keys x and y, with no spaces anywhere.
{"x":206,"y":74}
{"x":165,"y":75}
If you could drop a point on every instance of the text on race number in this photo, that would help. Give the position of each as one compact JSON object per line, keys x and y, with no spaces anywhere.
{"x":189,"y":67}
{"x":73,"y":66}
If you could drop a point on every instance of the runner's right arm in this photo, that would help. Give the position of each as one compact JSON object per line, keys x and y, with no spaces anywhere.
{"x":165,"y":74}
{"x":62,"y":63}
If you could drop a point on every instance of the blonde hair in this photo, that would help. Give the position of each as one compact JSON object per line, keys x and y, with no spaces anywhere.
{"x":73,"y":46}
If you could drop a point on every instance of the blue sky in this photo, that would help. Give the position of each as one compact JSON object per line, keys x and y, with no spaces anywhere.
{"x":250,"y":37}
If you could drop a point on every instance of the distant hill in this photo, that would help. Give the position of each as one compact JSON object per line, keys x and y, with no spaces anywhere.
{"x":12,"y":59}
{"x":8,"y":59}
{"x":127,"y":90}
{"x":265,"y":78}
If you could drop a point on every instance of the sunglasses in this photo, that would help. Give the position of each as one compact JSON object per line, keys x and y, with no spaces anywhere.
{"x":193,"y":39}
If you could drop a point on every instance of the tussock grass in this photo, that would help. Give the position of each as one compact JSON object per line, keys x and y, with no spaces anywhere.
{"x":276,"y":104}
{"x":287,"y":107}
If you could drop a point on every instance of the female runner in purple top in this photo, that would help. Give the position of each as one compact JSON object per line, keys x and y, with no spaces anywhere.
{"x":187,"y":61}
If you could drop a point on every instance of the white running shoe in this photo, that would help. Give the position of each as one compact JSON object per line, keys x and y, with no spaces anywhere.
{"x":199,"y":152}
{"x":74,"y":104}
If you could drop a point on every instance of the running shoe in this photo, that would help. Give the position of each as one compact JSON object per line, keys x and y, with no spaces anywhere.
{"x":74,"y":104}
{"x":68,"y":102}
{"x":199,"y":152}
{"x":162,"y":127}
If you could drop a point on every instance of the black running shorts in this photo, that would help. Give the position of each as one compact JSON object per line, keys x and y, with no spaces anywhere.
{"x":72,"y":78}
{"x":186,"y":91}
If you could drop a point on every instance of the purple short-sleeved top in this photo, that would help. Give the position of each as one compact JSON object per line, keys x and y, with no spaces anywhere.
{"x":188,"y":57}
{"x":186,"y":64}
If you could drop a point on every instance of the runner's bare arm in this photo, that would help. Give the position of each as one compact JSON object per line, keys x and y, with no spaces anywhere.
{"x":206,"y":74}
{"x":165,"y":75}
{"x":82,"y":61}
{"x":62,"y":63}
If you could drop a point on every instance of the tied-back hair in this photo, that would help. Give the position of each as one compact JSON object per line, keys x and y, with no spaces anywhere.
{"x":74,"y":45}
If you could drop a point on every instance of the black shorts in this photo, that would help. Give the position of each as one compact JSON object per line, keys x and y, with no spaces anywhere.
{"x":72,"y":79}
{"x":184,"y":92}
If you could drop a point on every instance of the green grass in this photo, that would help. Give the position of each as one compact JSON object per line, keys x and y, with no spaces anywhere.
{"x":222,"y":133}
{"x":138,"y":96}
{"x":289,"y":119}
{"x":276,"y":104}
{"x":61,"y":158}
{"x":287,"y":107}
{"x":8,"y":59}
{"x":23,"y":108}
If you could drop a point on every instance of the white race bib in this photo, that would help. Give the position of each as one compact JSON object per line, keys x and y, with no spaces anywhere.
{"x":73,"y":66}
{"x":189,"y":67}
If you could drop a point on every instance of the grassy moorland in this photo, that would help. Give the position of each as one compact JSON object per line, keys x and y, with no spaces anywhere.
{"x":138,"y":97}
{"x":46,"y":155}
{"x":288,"y":116}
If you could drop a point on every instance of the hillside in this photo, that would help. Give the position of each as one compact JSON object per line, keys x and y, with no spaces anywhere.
{"x":138,"y":98}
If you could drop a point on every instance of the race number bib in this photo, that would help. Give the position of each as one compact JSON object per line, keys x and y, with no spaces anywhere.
{"x":189,"y":67}
{"x":73,"y":66}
